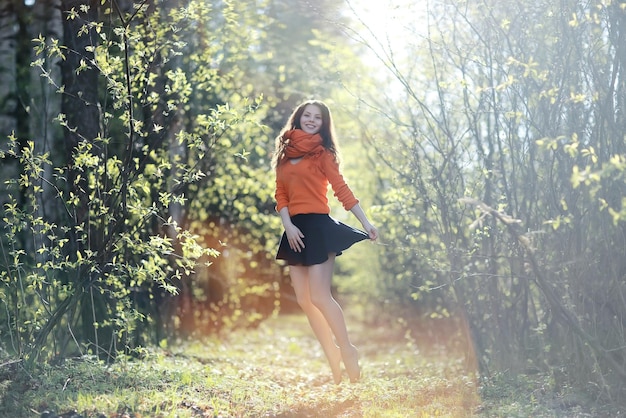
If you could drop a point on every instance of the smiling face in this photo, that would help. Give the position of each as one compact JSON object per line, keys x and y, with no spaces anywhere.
{"x":311,"y":120}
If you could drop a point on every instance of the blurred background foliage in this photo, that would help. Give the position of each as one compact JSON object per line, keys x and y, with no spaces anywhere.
{"x":485,"y":139}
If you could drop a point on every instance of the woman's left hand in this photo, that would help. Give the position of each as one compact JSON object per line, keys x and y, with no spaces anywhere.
{"x":371,"y":231}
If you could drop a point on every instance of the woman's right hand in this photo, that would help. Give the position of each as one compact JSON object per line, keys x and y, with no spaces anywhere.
{"x":294,"y":237}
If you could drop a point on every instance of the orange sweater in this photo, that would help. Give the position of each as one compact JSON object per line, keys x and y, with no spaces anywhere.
{"x":302,"y":187}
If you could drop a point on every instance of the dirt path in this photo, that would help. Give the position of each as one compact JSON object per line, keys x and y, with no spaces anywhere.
{"x":401,"y":376}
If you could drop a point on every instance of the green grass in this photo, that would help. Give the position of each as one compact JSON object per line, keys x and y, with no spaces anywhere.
{"x":276,"y":370}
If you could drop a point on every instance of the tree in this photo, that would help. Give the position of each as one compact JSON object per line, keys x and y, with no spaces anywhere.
{"x":503,"y":185}
{"x":113,"y":241}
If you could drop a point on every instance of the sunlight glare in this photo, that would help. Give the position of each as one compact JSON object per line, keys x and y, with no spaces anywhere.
{"x":391,"y":23}
{"x":391,"y":30}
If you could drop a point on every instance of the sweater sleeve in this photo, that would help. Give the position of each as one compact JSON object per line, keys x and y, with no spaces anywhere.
{"x":282,"y":199}
{"x":335,"y":178}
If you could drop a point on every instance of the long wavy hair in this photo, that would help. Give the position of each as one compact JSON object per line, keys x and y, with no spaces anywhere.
{"x":327,"y":131}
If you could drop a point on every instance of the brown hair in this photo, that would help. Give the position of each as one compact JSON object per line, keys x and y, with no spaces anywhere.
{"x":327,"y":131}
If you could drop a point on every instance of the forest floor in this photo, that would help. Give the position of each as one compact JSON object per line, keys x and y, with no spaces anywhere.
{"x":278,"y":370}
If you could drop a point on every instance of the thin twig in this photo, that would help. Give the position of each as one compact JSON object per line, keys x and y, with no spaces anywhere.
{"x":9,"y":363}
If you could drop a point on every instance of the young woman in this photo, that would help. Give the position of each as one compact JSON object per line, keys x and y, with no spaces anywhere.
{"x":306,"y":161}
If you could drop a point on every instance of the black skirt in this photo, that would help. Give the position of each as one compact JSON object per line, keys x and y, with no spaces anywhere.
{"x":323,"y":235}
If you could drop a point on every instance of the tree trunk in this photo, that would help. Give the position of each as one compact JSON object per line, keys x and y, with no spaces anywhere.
{"x":8,"y":71}
{"x":79,"y":105}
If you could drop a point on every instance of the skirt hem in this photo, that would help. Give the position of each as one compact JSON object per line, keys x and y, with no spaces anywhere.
{"x":323,"y":235}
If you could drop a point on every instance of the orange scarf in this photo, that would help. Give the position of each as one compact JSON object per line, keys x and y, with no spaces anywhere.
{"x":301,"y":144}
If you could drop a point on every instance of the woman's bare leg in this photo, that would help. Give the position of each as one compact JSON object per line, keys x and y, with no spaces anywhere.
{"x":320,"y":278}
{"x":300,"y":280}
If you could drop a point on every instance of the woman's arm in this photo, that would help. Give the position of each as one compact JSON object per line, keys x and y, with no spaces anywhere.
{"x":294,"y":235}
{"x":360,"y":215}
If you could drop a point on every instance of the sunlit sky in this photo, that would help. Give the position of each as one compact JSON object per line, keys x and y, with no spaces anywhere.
{"x":392,"y":22}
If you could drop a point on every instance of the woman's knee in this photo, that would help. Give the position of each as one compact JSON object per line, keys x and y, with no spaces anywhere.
{"x":321,"y":300}
{"x":305,"y":302}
